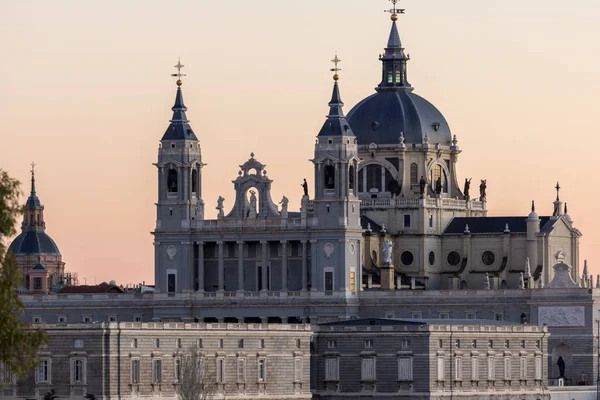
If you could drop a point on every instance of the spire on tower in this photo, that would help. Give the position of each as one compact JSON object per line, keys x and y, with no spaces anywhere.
{"x":336,"y":123}
{"x":179,"y":128}
{"x":33,"y":178}
{"x":557,"y":191}
{"x":394,"y":60}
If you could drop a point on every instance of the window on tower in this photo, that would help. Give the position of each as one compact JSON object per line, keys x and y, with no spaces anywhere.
{"x":437,"y":173}
{"x":398,"y":77}
{"x":329,"y":177}
{"x":172,"y":181}
{"x":414,"y":174}
{"x":351,"y":178}
{"x":194,"y":181}
{"x":390,"y":77}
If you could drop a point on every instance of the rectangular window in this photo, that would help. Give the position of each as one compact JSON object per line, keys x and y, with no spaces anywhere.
{"x":491,"y":368}
{"x":134,"y":343}
{"x":298,"y":369}
{"x":538,"y":368}
{"x":7,"y":376}
{"x":491,"y":344}
{"x":331,"y":344}
{"x":62,"y":319}
{"x":368,"y":344}
{"x":522,"y":344}
{"x":262,"y":343}
{"x":177,"y":369}
{"x":220,"y":370}
{"x":471,"y":315}
{"x":137,"y":318}
{"x":328,"y":281}
{"x":458,"y":368}
{"x":417,"y":315}
{"x":156,"y":343}
{"x":220,"y":343}
{"x":367,"y":372}
{"x":440,"y":344}
{"x":431,"y":221}
{"x":457,"y":344}
{"x":199,"y":343}
{"x":440,"y":369}
{"x":157,"y":371}
{"x":507,"y":368}
{"x":507,"y":344}
{"x":352,"y":281}
{"x":78,"y":343}
{"x":241,"y":370}
{"x":171,"y":285}
{"x":37,"y":283}
{"x":43,"y":371}
{"x":405,"y":343}
{"x":499,"y":317}
{"x":262,"y":370}
{"x":112,"y":318}
{"x":77,"y":371}
{"x":86,"y":319}
{"x":241,"y":343}
{"x":538,"y":344}
{"x":474,"y":368}
{"x":332,"y":369}
{"x":135,"y":371}
{"x":444,"y":315}
{"x":36,"y":320}
{"x":407,"y":221}
{"x":405,"y":369}
{"x":474,"y":343}
{"x":178,"y":343}
{"x":523,"y":368}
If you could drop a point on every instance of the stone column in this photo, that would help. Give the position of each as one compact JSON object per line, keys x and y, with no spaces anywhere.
{"x":313,"y":265}
{"x":304,"y":267}
{"x":201,"y":266}
{"x":284,"y":267}
{"x":264,"y":277}
{"x":221,"y":267}
{"x":240,"y":266}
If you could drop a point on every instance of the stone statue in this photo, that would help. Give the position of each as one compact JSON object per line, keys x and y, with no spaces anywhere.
{"x":252,"y":210}
{"x":482,"y":189}
{"x":467,"y":187}
{"x":200,"y":209}
{"x":220,"y":206}
{"x":438,"y":186}
{"x":305,"y":187}
{"x":388,"y":245}
{"x":284,"y":205}
{"x":561,"y":367}
{"x":422,"y":186}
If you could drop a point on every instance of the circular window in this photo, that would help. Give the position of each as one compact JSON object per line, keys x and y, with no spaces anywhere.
{"x":488,"y":258}
{"x":431,"y":258}
{"x":453,"y":258}
{"x":407,"y":258}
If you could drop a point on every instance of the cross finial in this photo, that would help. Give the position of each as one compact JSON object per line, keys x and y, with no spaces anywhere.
{"x":335,"y":68}
{"x":32,"y":168}
{"x":557,"y":191}
{"x":395,"y":11}
{"x":178,"y":75}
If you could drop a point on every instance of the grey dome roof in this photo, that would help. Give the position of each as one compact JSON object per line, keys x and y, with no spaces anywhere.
{"x":381,"y":118}
{"x":33,"y":242}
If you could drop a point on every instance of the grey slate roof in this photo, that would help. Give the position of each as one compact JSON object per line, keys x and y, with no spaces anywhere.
{"x":33,"y":242}
{"x":494,"y":224}
{"x":179,"y":129}
{"x":336,"y":124}
{"x":365,"y":221}
{"x":381,"y":117}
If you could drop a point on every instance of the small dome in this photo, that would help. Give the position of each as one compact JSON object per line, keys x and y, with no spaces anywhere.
{"x":381,"y":118}
{"x":33,"y":242}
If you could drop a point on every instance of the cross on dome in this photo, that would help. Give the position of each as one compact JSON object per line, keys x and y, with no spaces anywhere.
{"x":32,"y":168}
{"x":179,"y":75}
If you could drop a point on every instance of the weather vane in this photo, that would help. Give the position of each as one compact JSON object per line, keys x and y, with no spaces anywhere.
{"x":32,"y":168}
{"x":335,"y":68}
{"x":178,"y":75}
{"x":395,"y":11}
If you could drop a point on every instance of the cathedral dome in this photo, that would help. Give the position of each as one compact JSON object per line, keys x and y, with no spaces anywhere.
{"x":381,"y":118}
{"x":33,"y":242}
{"x":395,"y":109}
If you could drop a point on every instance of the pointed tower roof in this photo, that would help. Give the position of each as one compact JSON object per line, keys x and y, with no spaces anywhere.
{"x":32,"y":200}
{"x":336,"y":123}
{"x":179,"y":129}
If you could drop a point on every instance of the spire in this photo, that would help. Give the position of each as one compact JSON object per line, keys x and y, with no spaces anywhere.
{"x":33,"y":179}
{"x":532,"y":206}
{"x":179,"y":128}
{"x":557,"y":204}
{"x":336,"y":124}
{"x":394,"y":59}
{"x":33,"y":201}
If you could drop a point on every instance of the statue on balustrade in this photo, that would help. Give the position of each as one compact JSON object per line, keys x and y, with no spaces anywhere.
{"x":422,"y":186}
{"x":388,"y":246}
{"x":284,"y":205}
{"x":305,"y":187}
{"x":482,"y":189}
{"x":220,"y":206}
{"x":467,"y":188}
{"x":438,"y":186}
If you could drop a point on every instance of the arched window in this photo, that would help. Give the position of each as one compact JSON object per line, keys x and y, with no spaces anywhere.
{"x":398,"y":77}
{"x":172,"y":181}
{"x":351,"y":178}
{"x":390,"y":77}
{"x":329,"y":177}
{"x":414,"y":174}
{"x":436,"y":173}
{"x":374,"y":179}
{"x":194,"y":181}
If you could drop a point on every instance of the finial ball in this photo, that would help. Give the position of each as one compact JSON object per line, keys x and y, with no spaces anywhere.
{"x":394,"y":17}
{"x":336,"y":77}
{"x":179,"y":82}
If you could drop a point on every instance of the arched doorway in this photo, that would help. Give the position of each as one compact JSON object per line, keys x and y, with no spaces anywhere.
{"x":562,"y":350}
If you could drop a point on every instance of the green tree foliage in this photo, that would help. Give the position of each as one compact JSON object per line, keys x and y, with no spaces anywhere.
{"x":19,"y":343}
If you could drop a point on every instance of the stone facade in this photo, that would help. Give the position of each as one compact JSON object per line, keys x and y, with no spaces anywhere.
{"x":130,"y":360}
{"x":419,"y":359}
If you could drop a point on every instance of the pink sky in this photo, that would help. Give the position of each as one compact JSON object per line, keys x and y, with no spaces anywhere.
{"x":86,"y":94}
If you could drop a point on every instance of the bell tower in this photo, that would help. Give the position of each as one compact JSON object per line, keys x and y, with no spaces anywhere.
{"x":179,"y":197}
{"x":336,"y":241}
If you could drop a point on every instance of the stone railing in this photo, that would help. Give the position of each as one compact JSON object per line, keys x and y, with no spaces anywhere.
{"x":429,"y":202}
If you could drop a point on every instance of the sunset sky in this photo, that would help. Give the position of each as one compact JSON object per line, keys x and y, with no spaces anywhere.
{"x":85,"y":92}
